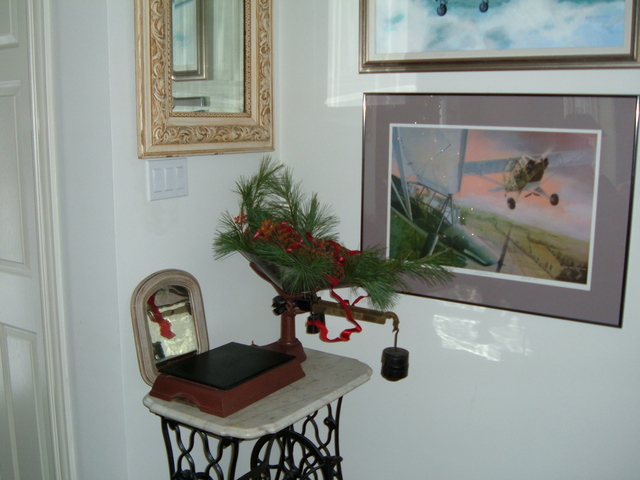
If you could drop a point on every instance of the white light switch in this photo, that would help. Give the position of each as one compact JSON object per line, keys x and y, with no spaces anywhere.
{"x":167,"y":178}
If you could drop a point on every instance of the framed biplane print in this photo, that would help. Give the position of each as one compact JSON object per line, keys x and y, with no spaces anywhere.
{"x":408,"y":35}
{"x":527,"y":197}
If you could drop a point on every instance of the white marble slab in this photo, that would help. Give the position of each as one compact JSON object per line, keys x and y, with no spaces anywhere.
{"x":327,"y":378}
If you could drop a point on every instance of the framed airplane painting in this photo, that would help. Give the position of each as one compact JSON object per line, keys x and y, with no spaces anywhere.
{"x":526,"y":197}
{"x":446,"y":35}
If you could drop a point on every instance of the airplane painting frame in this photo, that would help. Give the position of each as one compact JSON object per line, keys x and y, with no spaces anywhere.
{"x":410,"y":36}
{"x":529,"y":196}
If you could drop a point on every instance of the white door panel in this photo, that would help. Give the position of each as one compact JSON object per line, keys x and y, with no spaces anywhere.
{"x":8,"y":23}
{"x":12,"y":235}
{"x":19,"y":393}
{"x":25,"y":448}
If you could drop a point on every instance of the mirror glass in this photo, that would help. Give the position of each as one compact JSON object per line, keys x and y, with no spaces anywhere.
{"x":203,"y":77}
{"x":168,"y":320}
{"x":171,"y":326}
{"x":208,"y":56}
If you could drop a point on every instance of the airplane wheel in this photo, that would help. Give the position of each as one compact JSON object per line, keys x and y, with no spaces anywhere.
{"x":442,"y":10}
{"x":484,"y":6}
{"x":554,"y":199}
{"x":511,"y":203}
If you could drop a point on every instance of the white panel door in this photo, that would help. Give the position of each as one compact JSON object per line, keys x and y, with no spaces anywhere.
{"x":25,"y":448}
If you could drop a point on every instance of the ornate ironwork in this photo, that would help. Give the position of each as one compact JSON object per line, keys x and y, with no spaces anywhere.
{"x":309,"y":450}
{"x":182,"y":466}
{"x":304,"y":454}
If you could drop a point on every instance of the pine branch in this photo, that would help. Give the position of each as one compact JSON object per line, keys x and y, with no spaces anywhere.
{"x":294,"y":233}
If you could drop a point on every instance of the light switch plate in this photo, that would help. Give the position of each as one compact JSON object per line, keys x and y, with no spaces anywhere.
{"x":167,"y":178}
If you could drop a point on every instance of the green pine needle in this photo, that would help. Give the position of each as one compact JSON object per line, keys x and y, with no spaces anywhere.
{"x":294,"y":233}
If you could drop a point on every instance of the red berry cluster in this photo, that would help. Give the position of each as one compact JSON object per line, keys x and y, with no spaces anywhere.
{"x":285,"y":235}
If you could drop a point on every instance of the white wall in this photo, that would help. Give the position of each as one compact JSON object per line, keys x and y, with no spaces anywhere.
{"x":562,"y":400}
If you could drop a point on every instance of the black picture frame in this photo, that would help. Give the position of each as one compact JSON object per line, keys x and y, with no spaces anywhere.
{"x":607,"y":126}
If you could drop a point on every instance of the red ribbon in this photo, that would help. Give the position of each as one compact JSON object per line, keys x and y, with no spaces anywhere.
{"x":345,"y":335}
{"x":336,"y":253}
{"x":339,"y":259}
{"x":163,"y":323}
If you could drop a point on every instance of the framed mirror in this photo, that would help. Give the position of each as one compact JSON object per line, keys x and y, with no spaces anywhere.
{"x":168,"y":320}
{"x":203,"y":77}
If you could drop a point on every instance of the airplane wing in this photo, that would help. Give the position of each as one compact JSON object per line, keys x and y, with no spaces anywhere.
{"x":397,"y":152}
{"x":556,"y":160}
{"x":572,"y":158}
{"x":434,"y":157}
{"x":487,"y":167}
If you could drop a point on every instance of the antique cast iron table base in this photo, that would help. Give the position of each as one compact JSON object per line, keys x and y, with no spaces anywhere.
{"x":292,"y":438}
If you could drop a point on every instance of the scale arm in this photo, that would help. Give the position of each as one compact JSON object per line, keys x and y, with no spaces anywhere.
{"x":359,"y":313}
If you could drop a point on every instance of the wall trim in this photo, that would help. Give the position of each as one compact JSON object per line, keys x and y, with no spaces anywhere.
{"x":49,"y":248}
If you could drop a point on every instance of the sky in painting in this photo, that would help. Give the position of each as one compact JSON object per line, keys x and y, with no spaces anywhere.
{"x":414,"y":26}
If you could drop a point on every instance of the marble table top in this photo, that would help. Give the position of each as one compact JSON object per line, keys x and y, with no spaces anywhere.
{"x":327,"y":378}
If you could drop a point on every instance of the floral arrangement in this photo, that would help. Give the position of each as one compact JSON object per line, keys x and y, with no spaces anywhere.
{"x":294,"y":234}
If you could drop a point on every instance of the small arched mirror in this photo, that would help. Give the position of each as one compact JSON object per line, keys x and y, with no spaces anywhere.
{"x":168,"y":320}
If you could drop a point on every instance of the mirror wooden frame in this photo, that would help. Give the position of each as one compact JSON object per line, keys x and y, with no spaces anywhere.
{"x":163,"y":132}
{"x":142,"y":336}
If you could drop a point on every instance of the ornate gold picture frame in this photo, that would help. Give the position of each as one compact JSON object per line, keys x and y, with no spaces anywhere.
{"x":169,"y":125}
